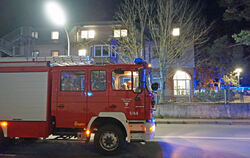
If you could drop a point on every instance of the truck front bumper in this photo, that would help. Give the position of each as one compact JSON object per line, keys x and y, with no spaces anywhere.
{"x":146,"y":134}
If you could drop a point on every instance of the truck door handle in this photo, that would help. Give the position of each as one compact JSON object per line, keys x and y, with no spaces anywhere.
{"x":137,"y":98}
{"x":60,"y":106}
{"x":112,"y":106}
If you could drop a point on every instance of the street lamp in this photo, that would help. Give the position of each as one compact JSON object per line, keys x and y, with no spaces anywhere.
{"x":56,"y":14}
{"x":238,"y":71}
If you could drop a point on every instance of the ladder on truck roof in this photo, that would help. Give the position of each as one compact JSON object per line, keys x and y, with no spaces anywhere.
{"x":53,"y":61}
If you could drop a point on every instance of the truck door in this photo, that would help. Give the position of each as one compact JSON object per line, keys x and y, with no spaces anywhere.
{"x":127,"y":94}
{"x":98,"y":92}
{"x":71,"y":108}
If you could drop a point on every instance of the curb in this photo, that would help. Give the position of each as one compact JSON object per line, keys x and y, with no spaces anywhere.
{"x":204,"y":122}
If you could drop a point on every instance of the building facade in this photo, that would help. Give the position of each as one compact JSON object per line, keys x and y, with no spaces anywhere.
{"x":98,"y":40}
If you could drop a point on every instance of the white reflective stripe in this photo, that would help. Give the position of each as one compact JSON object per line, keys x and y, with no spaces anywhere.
{"x":5,"y":131}
{"x":91,"y":121}
{"x":139,"y":106}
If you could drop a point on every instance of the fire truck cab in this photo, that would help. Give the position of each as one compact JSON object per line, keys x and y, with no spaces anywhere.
{"x":39,"y":99}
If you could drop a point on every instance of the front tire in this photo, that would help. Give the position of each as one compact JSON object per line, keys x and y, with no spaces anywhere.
{"x":109,"y":140}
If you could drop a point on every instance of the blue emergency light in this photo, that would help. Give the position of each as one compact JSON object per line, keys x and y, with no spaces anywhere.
{"x":139,"y":61}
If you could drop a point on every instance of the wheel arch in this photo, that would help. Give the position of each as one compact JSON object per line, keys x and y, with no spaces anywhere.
{"x":105,"y":118}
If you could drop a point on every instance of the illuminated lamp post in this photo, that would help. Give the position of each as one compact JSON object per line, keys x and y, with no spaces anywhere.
{"x":56,"y":14}
{"x":238,"y":71}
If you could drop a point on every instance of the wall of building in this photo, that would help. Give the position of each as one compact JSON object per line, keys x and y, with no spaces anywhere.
{"x":45,"y":50}
{"x":203,"y":110}
{"x":104,"y":32}
{"x":184,"y":63}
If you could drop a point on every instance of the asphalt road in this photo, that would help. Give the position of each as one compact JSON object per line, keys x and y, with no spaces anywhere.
{"x":171,"y":141}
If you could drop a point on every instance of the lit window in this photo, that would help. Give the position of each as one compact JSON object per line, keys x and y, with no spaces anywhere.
{"x":101,"y":51}
{"x":55,"y":35}
{"x":117,"y":33}
{"x":176,"y":32}
{"x":84,"y":34}
{"x":35,"y":53}
{"x":55,"y":53}
{"x":182,"y":83}
{"x":88,"y":34}
{"x":124,"y":33}
{"x":82,"y":52}
{"x":120,"y":33}
{"x":34,"y":35}
{"x":91,"y":34}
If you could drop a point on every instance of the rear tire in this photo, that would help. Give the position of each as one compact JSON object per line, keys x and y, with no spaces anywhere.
{"x":5,"y":141}
{"x":2,"y":139}
{"x":109,"y":140}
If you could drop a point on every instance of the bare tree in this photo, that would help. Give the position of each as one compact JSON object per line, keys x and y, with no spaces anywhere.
{"x":169,"y":14}
{"x":133,"y":15}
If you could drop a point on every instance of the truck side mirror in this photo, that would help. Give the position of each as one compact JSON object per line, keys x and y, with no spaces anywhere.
{"x":155,"y":86}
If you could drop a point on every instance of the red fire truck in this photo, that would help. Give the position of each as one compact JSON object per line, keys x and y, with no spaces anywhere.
{"x":39,"y":99}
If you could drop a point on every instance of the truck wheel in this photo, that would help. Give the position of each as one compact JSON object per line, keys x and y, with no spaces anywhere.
{"x":109,"y":140}
{"x":2,"y":139}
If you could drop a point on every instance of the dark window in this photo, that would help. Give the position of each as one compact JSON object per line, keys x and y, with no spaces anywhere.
{"x":113,"y":51}
{"x":98,"y":80}
{"x":105,"y":51}
{"x":91,"y":51}
{"x":72,"y":80}
{"x":98,"y":51}
{"x":101,"y":51}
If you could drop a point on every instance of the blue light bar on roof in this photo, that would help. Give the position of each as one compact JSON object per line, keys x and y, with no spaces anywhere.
{"x":139,"y":61}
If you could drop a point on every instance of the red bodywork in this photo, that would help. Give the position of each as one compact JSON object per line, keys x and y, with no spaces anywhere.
{"x":75,"y":109}
{"x":31,"y":129}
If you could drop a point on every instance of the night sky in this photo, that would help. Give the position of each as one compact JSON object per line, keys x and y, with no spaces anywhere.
{"x":16,"y":13}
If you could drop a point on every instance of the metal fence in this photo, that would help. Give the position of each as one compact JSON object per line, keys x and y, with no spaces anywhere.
{"x":222,"y":96}
{"x":207,"y":96}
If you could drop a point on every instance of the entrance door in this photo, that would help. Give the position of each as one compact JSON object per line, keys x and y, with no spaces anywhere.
{"x":71,"y":108}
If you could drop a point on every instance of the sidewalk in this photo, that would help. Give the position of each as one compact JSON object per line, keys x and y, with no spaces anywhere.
{"x":204,"y":121}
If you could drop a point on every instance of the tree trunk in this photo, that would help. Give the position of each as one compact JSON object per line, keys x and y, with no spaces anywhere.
{"x":162,"y":82}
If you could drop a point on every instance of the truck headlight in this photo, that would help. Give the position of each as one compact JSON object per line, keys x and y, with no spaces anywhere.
{"x":152,"y":128}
